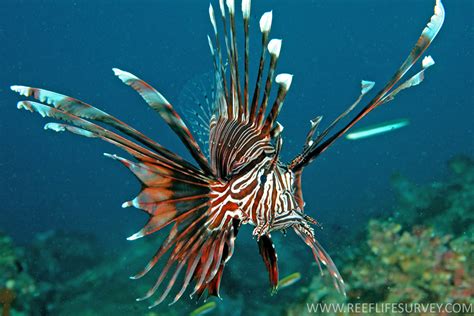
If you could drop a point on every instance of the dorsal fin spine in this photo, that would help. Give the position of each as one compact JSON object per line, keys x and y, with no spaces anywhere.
{"x":265,"y":26}
{"x":246,"y":5}
{"x":230,"y":99}
{"x":274,"y":47}
{"x":220,"y":72}
{"x":284,"y":82}
{"x":235,"y":61}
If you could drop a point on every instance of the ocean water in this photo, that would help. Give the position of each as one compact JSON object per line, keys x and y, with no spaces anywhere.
{"x":62,"y":182}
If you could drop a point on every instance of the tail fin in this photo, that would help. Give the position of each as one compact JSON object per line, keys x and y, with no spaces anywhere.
{"x":174,"y":192}
{"x":383,"y":96}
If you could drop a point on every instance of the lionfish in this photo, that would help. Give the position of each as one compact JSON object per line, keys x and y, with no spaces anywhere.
{"x":239,"y":179}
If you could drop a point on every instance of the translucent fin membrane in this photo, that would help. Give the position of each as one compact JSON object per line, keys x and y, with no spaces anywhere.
{"x":174,"y":192}
{"x":197,"y":102}
{"x":158,"y":103}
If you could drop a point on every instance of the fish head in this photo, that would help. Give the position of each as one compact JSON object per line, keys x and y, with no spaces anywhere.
{"x":287,"y":205}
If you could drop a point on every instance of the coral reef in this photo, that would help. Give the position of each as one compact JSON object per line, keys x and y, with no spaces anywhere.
{"x":54,"y":259}
{"x":15,"y":282}
{"x":66,"y":255}
{"x":422,"y":254}
{"x":447,"y":206}
{"x":412,"y":266}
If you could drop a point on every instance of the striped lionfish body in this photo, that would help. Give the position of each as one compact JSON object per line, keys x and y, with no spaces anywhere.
{"x":241,"y":180}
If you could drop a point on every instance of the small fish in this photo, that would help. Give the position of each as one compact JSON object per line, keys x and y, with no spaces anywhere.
{"x":204,"y":309}
{"x":239,"y":179}
{"x":289,"y":280}
{"x":377,"y":129}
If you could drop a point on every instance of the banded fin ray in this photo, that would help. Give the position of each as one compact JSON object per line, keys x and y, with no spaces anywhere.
{"x":158,"y":103}
{"x":172,"y":195}
{"x":81,"y":109}
{"x":386,"y":93}
{"x":238,"y":117}
{"x":204,"y":205}
{"x":85,"y":128}
{"x":265,"y":26}
{"x":284,"y":81}
{"x":241,"y":107}
{"x":321,"y":256}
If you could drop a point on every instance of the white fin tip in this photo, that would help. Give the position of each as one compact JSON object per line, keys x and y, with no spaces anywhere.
{"x":316,"y":120}
{"x":135,"y":236}
{"x":22,"y":90}
{"x":284,"y":80}
{"x":438,"y":9}
{"x":427,"y":62}
{"x":123,"y":75}
{"x":143,"y":298}
{"x":366,"y":86}
{"x":212,"y":18}
{"x":21,"y":105}
{"x":127,"y":204}
{"x":266,"y":22}
{"x":231,"y":6}
{"x":280,"y":127}
{"x":246,"y":4}
{"x":54,"y":127}
{"x":113,"y":156}
{"x":274,"y":47}
{"x":221,"y":7}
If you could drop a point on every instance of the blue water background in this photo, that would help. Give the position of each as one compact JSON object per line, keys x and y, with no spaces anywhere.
{"x":51,"y":181}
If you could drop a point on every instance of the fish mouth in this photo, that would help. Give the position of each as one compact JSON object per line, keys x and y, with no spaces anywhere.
{"x":292,"y":218}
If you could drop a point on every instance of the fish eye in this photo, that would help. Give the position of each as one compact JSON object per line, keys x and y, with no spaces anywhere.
{"x":263,"y":179}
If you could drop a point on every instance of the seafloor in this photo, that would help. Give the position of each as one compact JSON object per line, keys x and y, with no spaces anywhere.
{"x":421,"y":252}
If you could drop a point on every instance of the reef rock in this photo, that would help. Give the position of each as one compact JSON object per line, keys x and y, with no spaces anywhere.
{"x":421,"y":253}
{"x":17,"y":287}
{"x":447,"y":206}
